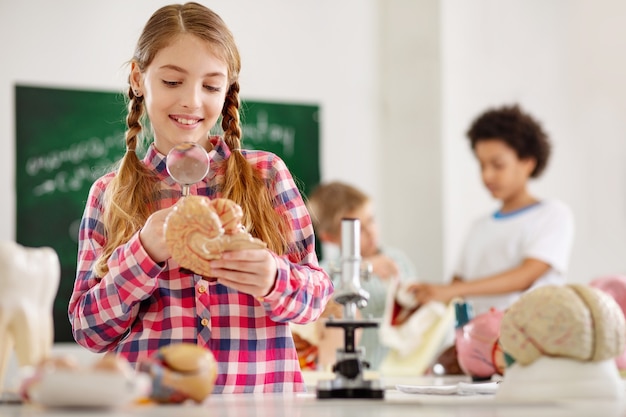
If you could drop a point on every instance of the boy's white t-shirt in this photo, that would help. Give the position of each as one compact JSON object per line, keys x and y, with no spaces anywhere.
{"x":497,"y":243}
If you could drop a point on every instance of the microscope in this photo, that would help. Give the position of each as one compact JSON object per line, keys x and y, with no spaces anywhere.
{"x":349,"y":366}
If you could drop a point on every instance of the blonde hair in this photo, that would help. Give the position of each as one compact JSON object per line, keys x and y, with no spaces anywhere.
{"x":132,"y":195}
{"x":328,"y":203}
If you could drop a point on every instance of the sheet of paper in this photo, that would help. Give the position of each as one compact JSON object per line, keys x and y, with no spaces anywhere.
{"x":461,"y":388}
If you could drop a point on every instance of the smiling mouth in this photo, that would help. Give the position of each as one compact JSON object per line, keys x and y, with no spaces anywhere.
{"x":186,"y":121}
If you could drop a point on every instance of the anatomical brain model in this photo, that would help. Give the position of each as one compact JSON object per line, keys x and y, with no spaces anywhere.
{"x":199,"y":229}
{"x":564,"y":340}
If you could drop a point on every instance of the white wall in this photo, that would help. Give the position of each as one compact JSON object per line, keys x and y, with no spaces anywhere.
{"x":411,"y":214}
{"x":398,"y":81}
{"x":565,"y":62}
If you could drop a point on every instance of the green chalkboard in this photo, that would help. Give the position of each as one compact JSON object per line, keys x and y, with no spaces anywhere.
{"x":66,"y":138}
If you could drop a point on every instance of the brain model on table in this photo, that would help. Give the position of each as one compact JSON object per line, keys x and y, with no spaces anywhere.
{"x":199,"y":229}
{"x":564,"y":340}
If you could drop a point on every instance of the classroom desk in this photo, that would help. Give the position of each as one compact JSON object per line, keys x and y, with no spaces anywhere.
{"x":395,"y":404}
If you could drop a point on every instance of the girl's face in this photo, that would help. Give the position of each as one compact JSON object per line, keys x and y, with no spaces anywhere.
{"x":184,"y":89}
{"x":503,"y":172}
{"x":369,"y":229}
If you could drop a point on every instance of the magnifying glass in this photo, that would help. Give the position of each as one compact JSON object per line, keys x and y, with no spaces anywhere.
{"x":187,"y":163}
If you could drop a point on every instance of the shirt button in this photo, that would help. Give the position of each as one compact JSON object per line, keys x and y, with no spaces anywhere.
{"x":202,"y":289}
{"x":205,"y":322}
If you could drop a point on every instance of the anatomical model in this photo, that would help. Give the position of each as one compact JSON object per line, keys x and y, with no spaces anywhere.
{"x":180,"y":372}
{"x":477,"y":346}
{"x":200,"y":229}
{"x":29,"y":280}
{"x":564,"y":340}
{"x":615,"y":286}
{"x":107,"y":381}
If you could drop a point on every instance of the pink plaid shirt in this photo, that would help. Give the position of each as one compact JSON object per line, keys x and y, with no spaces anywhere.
{"x":139,"y":305}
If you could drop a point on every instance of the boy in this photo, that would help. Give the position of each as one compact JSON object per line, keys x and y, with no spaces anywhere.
{"x":527,"y":242}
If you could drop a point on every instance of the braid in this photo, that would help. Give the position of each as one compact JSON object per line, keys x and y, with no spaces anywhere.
{"x":230,"y":117}
{"x":128,"y":200}
{"x":135,"y":110}
{"x":244,"y":185}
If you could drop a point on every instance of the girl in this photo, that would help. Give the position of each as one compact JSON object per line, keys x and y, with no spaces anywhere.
{"x":130,"y":296}
{"x":527,"y":242}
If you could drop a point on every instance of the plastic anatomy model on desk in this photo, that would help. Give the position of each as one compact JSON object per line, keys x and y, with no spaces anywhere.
{"x":615,"y":286}
{"x":564,"y":341}
{"x":181,"y":372}
{"x":414,"y":333}
{"x":29,"y":278}
{"x":62,"y":382}
{"x":477,"y":342}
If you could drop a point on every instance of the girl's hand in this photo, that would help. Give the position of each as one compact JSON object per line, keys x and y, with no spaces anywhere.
{"x":152,"y":236}
{"x":252,"y":271}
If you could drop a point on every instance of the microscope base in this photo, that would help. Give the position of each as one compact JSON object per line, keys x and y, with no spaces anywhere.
{"x":337,"y":388}
{"x":363,"y":393}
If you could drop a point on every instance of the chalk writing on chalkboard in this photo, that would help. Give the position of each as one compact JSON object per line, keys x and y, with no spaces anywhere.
{"x":81,"y":170}
{"x":260,"y":130}
{"x":65,"y":139}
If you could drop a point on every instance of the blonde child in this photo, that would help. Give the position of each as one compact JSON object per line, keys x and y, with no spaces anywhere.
{"x":328,"y":204}
{"x":130,"y":296}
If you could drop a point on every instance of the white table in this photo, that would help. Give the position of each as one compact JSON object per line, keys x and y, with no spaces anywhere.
{"x":395,"y":404}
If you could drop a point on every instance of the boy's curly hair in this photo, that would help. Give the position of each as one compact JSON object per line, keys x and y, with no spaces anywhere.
{"x":518,"y":129}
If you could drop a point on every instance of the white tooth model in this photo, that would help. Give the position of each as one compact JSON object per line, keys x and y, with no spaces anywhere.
{"x":564,"y":340}
{"x":29,"y":280}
